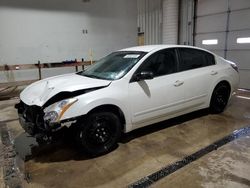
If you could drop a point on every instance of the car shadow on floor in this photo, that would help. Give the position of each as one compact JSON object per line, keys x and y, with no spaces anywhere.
{"x":65,"y":149}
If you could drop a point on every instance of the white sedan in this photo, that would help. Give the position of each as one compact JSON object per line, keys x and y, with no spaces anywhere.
{"x":126,"y":90}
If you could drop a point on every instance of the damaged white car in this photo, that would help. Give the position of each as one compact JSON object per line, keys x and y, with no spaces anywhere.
{"x":126,"y":90}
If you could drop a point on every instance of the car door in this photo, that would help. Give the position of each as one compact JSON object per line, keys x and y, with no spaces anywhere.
{"x":154,"y":98}
{"x":197,"y":71}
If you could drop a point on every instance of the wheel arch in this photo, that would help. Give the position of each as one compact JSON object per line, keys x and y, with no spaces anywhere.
{"x":224,"y":82}
{"x":111,"y":108}
{"x":220,"y":83}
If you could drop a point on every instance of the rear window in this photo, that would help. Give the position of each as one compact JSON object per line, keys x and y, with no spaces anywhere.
{"x":194,"y":58}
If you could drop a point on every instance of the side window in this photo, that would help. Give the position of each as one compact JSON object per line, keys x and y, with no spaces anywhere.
{"x":193,"y":58}
{"x":210,"y":59}
{"x":160,"y":63}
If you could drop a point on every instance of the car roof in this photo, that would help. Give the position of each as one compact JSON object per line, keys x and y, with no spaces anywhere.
{"x":149,"y":48}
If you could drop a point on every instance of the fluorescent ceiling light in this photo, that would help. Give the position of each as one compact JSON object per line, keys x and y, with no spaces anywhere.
{"x":210,"y":42}
{"x":243,"y":40}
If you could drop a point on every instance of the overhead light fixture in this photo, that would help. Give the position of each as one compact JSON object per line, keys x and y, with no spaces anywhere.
{"x":243,"y":40}
{"x":210,"y":42}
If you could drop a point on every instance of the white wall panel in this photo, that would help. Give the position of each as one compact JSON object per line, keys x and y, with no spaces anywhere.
{"x":232,"y":40}
{"x":238,"y":20}
{"x":218,"y":52}
{"x":239,"y":4}
{"x":244,"y":79}
{"x":241,"y":57}
{"x":211,"y":23}
{"x":52,"y":30}
{"x":232,"y":19}
{"x":205,"y":7}
{"x":219,"y":36}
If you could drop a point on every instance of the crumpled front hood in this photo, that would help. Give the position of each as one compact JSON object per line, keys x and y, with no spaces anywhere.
{"x":41,"y":91}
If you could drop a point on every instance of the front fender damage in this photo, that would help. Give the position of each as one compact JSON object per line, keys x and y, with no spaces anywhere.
{"x":69,"y":94}
{"x":31,"y":117}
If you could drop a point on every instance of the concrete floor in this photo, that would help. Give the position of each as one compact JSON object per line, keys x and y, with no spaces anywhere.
{"x":228,"y":167}
{"x":143,"y":152}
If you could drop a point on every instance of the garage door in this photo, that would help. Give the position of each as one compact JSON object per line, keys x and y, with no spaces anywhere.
{"x":223,"y":27}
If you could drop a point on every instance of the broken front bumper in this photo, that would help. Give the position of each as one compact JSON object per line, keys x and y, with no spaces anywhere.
{"x":27,"y":126}
{"x":31,"y":120}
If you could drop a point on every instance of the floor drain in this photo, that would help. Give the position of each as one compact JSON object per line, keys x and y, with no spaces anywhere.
{"x":154,"y":177}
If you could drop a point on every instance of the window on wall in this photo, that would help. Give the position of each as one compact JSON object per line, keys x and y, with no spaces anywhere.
{"x":210,"y":42}
{"x":243,"y":40}
{"x":194,"y":58}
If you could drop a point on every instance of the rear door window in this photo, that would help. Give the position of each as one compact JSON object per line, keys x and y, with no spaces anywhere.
{"x":194,"y":58}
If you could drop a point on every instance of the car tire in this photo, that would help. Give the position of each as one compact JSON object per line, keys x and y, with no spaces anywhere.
{"x":100,"y":133}
{"x":219,"y":98}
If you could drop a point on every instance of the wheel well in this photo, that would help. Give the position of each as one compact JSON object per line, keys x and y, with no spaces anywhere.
{"x":224,"y":82}
{"x":111,"y":108}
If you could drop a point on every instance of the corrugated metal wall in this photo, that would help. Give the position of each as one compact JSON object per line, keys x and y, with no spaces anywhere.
{"x":150,"y":20}
{"x":158,"y":20}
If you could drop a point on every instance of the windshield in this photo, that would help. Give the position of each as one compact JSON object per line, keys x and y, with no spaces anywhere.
{"x":113,"y":66}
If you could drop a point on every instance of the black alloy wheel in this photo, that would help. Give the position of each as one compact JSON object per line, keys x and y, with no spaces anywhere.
{"x":219,"y":98}
{"x":100,"y":133}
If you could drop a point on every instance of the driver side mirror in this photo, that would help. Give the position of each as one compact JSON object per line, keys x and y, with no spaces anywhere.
{"x":145,"y":75}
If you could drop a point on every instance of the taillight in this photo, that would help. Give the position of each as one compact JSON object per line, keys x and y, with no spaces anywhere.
{"x":234,"y":66}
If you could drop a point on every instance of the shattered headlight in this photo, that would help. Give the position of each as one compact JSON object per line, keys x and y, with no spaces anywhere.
{"x":54,"y":112}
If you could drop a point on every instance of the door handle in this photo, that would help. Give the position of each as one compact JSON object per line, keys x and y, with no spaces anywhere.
{"x":214,"y":72}
{"x":178,"y":83}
